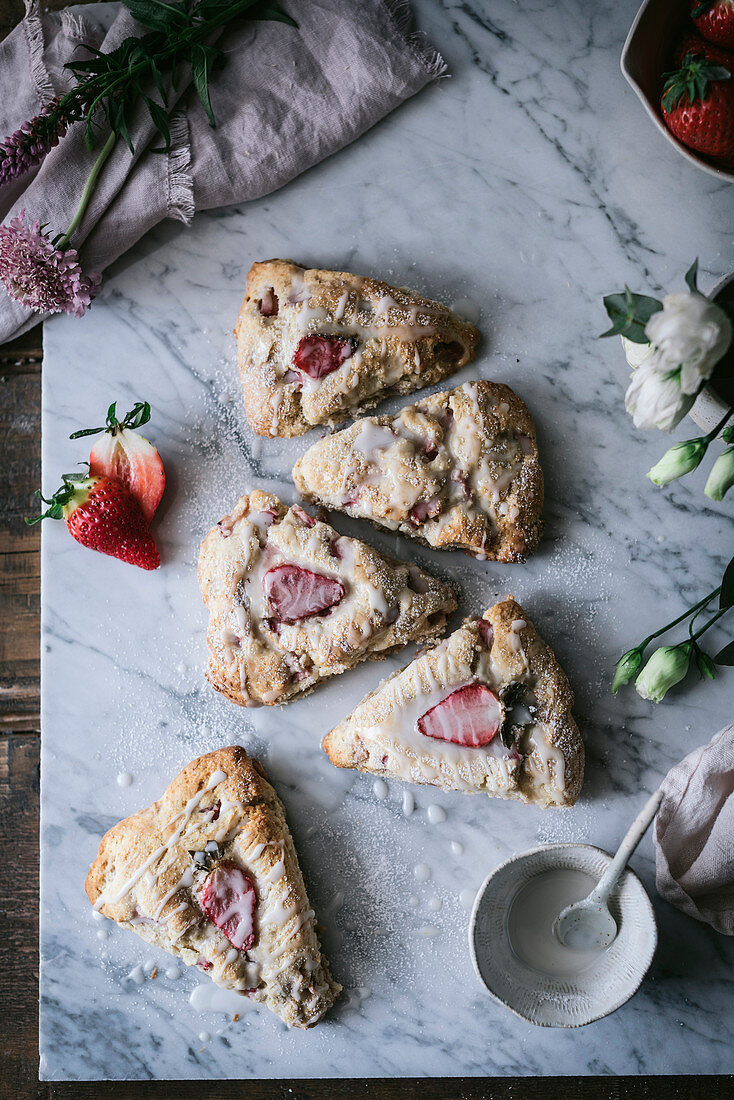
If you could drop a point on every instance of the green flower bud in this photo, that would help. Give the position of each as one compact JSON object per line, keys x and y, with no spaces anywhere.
{"x":679,"y":460}
{"x":627,"y":668}
{"x":721,"y":477}
{"x":667,"y":666}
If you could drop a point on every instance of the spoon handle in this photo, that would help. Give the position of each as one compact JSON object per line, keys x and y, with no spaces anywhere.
{"x":634,"y":835}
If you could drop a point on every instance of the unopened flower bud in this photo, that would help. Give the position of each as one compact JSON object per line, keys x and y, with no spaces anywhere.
{"x":627,"y":668}
{"x":679,"y":460}
{"x":721,"y":478}
{"x":667,"y":666}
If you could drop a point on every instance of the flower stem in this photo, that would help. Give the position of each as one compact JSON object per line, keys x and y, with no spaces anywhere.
{"x":712,"y":620}
{"x":65,"y":239}
{"x":696,"y":607}
{"x":715,"y":431}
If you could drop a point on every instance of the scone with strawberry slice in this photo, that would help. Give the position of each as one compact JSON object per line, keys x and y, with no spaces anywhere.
{"x":487,"y":710}
{"x":457,"y":471}
{"x":291,"y":602}
{"x":314,"y":346}
{"x":209,"y":873}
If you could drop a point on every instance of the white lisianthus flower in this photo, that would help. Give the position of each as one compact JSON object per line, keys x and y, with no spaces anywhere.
{"x":689,"y":332}
{"x":636,"y":354}
{"x":654,"y":398}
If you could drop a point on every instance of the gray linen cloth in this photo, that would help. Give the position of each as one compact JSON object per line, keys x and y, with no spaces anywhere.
{"x":694,"y":834}
{"x":284,"y":100}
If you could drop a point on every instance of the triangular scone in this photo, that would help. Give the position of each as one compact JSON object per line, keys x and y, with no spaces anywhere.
{"x":488,"y":709}
{"x":209,"y":873}
{"x":457,"y":471}
{"x":314,"y":346}
{"x":292,"y":602}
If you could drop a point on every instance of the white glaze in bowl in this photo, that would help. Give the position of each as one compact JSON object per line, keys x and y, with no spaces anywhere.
{"x":561,"y":1001}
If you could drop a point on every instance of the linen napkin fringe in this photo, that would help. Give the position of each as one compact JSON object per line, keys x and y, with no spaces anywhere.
{"x":401,"y":13}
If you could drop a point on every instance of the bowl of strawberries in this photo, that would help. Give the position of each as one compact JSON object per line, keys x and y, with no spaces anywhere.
{"x":679,"y":58}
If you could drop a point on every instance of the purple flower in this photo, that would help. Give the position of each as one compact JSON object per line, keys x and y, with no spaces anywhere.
{"x":39,"y":275}
{"x":29,"y":145}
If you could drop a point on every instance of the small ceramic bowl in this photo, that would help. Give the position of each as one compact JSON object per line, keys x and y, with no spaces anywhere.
{"x":646,"y":55}
{"x":561,"y":1002}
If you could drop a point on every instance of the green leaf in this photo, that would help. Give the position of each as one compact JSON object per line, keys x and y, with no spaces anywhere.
{"x":726,"y":596}
{"x":701,"y":8}
{"x":138,"y":415}
{"x":728,"y":434}
{"x":157,"y":16}
{"x":160,"y":119}
{"x":629,"y":313}
{"x":725,"y":656}
{"x":692,"y":277}
{"x":201,"y":63}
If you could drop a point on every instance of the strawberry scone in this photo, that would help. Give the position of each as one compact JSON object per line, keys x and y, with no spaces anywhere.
{"x":291,"y":602}
{"x":315,"y":346}
{"x":209,"y":873}
{"x":457,"y":471}
{"x":487,"y":710}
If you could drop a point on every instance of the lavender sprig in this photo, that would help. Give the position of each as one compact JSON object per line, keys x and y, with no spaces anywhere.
{"x":36,"y":138}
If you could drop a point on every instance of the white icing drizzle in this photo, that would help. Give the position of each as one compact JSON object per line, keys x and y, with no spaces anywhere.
{"x":215,"y":779}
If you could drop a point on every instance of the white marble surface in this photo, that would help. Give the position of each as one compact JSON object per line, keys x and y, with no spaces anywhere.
{"x":531,"y":184}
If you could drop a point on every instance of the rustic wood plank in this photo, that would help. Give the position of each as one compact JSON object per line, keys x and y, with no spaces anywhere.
{"x":20,"y":577}
{"x":18,"y":913}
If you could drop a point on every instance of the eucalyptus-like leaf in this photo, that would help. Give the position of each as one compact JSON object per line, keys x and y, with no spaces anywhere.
{"x":726,"y":596}
{"x":629,"y":314}
{"x":725,"y":656}
{"x":692,"y":277}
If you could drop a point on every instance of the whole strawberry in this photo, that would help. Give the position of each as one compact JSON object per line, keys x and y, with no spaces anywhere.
{"x":102,"y":514}
{"x":123,"y":453}
{"x":714,"y":20}
{"x":692,"y":43}
{"x":698,"y":107}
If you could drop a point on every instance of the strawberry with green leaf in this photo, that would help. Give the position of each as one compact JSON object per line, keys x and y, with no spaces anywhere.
{"x":714,"y":20}
{"x":698,"y":107}
{"x":102,"y":514}
{"x":124,"y":454}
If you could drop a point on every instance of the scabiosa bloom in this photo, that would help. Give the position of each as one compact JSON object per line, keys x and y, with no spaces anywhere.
{"x":39,"y":275}
{"x":30,"y":144}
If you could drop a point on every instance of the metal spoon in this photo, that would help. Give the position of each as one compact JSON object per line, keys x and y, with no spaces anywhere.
{"x":588,"y":923}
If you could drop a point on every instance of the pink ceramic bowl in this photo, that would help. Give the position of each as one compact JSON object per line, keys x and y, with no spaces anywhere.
{"x":647,"y":54}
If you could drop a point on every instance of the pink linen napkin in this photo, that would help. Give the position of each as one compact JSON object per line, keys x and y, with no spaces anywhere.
{"x":285,"y":99}
{"x":694,"y":834}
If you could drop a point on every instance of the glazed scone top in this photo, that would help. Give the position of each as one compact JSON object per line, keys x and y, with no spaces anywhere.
{"x":219,"y":815}
{"x":380,"y":340}
{"x":457,"y":470}
{"x":261,"y":655}
{"x":537,"y":754}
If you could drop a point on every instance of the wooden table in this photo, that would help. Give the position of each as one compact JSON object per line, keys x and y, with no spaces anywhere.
{"x":20,"y":433}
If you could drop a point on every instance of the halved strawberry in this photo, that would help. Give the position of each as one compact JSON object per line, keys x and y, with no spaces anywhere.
{"x":470,"y":716}
{"x":318,"y":355}
{"x":126,"y":455}
{"x":714,"y":19}
{"x":229,"y":900}
{"x":295,"y":593}
{"x":102,"y":514}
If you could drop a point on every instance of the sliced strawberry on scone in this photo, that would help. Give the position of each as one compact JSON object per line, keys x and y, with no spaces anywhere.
{"x":471,"y":715}
{"x":293,"y":602}
{"x":295,"y":593}
{"x":319,"y":355}
{"x":123,"y":453}
{"x":229,"y":900}
{"x":486,"y":710}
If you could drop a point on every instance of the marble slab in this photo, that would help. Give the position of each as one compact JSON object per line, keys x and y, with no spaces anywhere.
{"x":529,"y":184}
